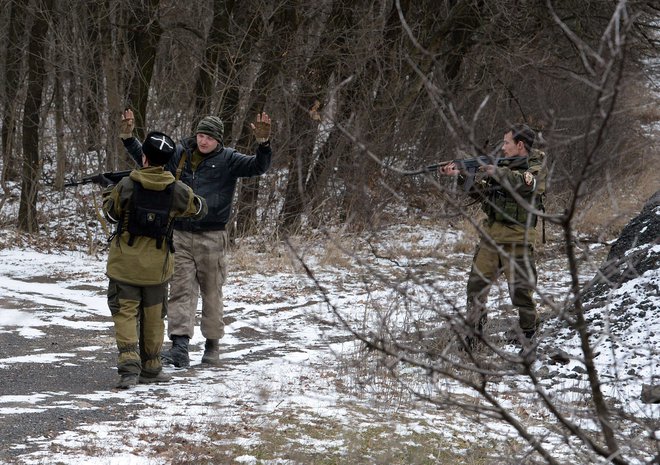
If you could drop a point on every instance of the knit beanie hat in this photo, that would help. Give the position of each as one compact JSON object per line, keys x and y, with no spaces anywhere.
{"x":211,"y":126}
{"x":158,"y":147}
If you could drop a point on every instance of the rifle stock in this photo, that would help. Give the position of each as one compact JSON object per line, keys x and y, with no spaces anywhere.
{"x":114,"y":176}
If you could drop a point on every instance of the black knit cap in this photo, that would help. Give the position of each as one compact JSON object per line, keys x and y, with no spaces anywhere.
{"x":158,"y":147}
{"x":211,"y":126}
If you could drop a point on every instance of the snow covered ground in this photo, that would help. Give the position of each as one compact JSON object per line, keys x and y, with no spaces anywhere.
{"x":291,"y":388}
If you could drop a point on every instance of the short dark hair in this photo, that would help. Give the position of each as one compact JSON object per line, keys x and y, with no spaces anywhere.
{"x":522,"y":132}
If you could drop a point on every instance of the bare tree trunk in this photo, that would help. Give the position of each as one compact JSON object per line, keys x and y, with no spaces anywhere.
{"x":59,"y":133}
{"x":314,"y":86}
{"x":285,"y":23}
{"x":144,"y":36}
{"x":217,"y":62}
{"x":27,"y":214}
{"x":456,"y":36}
{"x":111,"y":61}
{"x":93,"y":97}
{"x":298,"y":166}
{"x":59,"y":78}
{"x":12,"y":82}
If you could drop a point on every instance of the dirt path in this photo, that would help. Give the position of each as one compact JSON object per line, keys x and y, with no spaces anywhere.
{"x":45,"y":392}
{"x":280,"y":385}
{"x":58,"y":372}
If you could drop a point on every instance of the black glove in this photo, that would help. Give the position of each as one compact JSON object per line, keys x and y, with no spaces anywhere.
{"x":102,"y":180}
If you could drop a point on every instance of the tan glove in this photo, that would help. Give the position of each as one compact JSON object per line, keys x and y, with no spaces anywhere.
{"x":127,"y":124}
{"x":261,"y":128}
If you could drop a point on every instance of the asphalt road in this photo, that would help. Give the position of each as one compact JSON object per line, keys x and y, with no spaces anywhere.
{"x":59,"y":383}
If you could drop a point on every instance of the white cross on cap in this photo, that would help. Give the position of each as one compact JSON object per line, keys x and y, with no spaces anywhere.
{"x":162,"y":141}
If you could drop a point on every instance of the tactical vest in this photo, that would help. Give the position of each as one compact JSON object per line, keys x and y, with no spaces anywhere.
{"x":148,"y":214}
{"x":503,"y":208}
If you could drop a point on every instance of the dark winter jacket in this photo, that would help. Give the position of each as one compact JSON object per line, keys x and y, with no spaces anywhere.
{"x":214,"y":179}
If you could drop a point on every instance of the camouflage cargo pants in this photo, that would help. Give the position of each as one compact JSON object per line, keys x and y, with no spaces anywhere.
{"x":138,"y":314}
{"x":199,"y":267}
{"x":517,"y":263}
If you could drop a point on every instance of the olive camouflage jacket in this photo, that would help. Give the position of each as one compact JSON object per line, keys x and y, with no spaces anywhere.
{"x":143,"y":263}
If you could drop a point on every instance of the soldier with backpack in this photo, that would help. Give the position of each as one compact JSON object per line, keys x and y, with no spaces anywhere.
{"x":143,"y":206}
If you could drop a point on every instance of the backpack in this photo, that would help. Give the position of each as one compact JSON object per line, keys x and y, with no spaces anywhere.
{"x":148,"y":214}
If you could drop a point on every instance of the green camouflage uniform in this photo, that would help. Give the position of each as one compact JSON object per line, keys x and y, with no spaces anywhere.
{"x":507,"y":244}
{"x":139,"y":273}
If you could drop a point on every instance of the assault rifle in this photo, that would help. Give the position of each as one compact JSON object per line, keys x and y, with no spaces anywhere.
{"x":469,"y":166}
{"x":114,"y":176}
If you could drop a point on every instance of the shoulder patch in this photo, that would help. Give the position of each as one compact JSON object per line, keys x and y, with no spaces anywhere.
{"x":528,"y":177}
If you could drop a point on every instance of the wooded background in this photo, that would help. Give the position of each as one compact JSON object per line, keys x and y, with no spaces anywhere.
{"x":358,"y":90}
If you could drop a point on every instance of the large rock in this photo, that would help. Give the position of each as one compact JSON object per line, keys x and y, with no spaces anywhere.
{"x":643,"y":229}
{"x":650,"y":394}
{"x":633,"y":252}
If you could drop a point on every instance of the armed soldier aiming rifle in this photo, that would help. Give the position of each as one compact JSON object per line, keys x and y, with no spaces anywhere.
{"x":511,"y":195}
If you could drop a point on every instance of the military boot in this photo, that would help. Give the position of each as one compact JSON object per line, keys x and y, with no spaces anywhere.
{"x":528,"y":344}
{"x":159,"y":378}
{"x":178,"y":353}
{"x":211,"y":352}
{"x":127,"y":381}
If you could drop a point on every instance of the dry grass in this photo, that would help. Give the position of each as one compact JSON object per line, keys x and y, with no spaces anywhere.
{"x":263,"y":257}
{"x":604,"y":216}
{"x":468,"y":241}
{"x":337,"y":252}
{"x":291,"y":436}
{"x":632,"y":176}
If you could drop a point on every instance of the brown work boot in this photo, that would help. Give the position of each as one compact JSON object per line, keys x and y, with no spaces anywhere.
{"x":211,"y":352}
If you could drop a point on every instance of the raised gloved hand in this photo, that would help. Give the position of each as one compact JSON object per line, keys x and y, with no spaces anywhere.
{"x":102,"y":180}
{"x":261,"y":128}
{"x":127,"y":124}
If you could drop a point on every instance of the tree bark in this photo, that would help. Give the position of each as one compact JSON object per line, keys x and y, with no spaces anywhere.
{"x":217,"y":45}
{"x":285,"y":23}
{"x":59,"y":133}
{"x":144,"y":36}
{"x":314,"y":86}
{"x":27,"y":214}
{"x":116,"y":158}
{"x":93,"y":96}
{"x":12,"y":82}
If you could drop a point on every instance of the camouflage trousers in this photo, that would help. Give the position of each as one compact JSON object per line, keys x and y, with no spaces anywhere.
{"x":199,"y":268}
{"x":517,"y":263}
{"x":138,"y":314}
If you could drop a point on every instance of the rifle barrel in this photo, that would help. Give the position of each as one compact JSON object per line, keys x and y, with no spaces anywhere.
{"x":114,"y":176}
